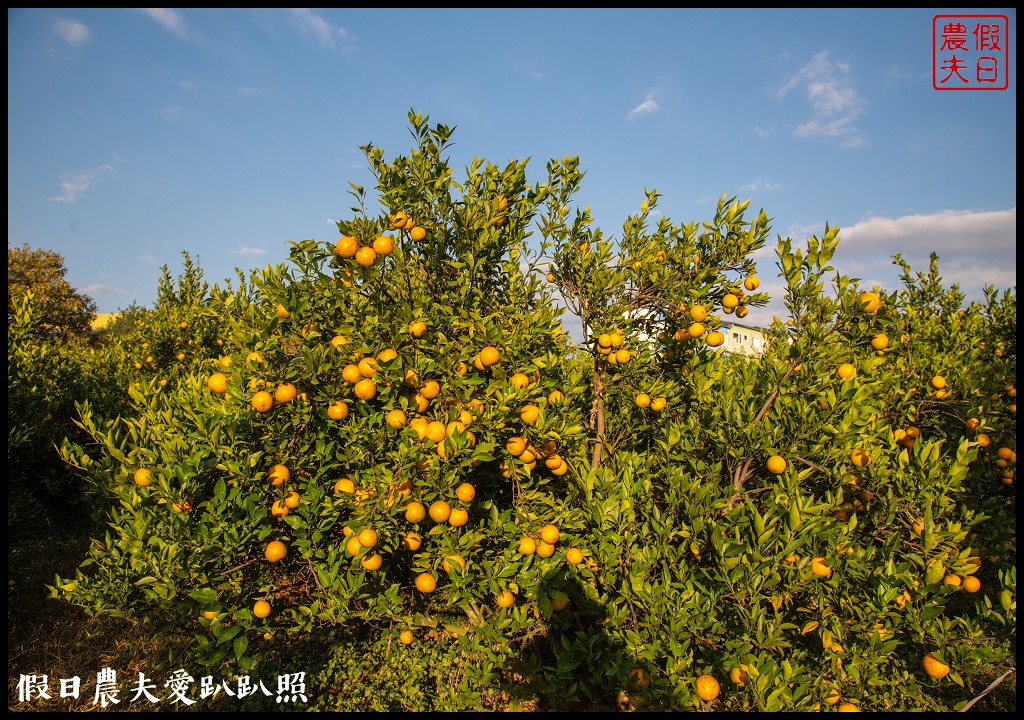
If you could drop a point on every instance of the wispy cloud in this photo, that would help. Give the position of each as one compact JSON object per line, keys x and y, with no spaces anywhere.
{"x":647,"y":107}
{"x":761,"y":186}
{"x":764,"y":132}
{"x":71,"y":31}
{"x":100,"y":289}
{"x":187,"y":85}
{"x":73,"y":184}
{"x":170,"y":19}
{"x":312,"y":26}
{"x":834,"y":100}
{"x":247,"y":251}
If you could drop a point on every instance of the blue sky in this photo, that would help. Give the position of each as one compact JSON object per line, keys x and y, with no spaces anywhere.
{"x":134,"y":135}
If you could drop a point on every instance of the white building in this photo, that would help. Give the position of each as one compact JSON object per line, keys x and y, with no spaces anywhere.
{"x":744,"y":339}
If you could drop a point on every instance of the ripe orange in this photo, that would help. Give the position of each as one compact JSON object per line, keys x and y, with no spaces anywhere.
{"x":440,"y":511}
{"x":550,"y":534}
{"x":262,"y":401}
{"x":516,"y":446}
{"x":282,"y":312}
{"x":465,"y":492}
{"x":776,"y":464}
{"x":372,"y":562}
{"x":558,"y":604}
{"x":729,"y":300}
{"x":367,"y":367}
{"x":870,"y":302}
{"x":366,"y":389}
{"x":751,"y":283}
{"x":458,"y":517}
{"x":934,"y":667}
{"x":338,"y":410}
{"x":971,"y":584}
{"x":418,"y":233}
{"x":383,"y":245}
{"x":527,"y":545}
{"x":261,"y":609}
{"x":574,"y":556}
{"x":451,"y":561}
{"x":353,"y":546}
{"x":406,"y":636}
{"x":218,"y":382}
{"x":529,"y":414}
{"x":847,"y":371}
{"x":368,"y":537}
{"x":848,"y":707}
{"x":430,"y":389}
{"x":880,"y":341}
{"x":346,"y":246}
{"x":351,"y":374}
{"x":698,"y":313}
{"x":279,"y":509}
{"x":417,"y":328}
{"x":279,"y":474}
{"x":425,"y":583}
{"x":860,"y":457}
{"x":275,"y":551}
{"x":285,"y":393}
{"x":366,"y":256}
{"x":412,"y":541}
{"x":488,"y":356}
{"x":435,"y":431}
{"x":714,"y":338}
{"x":707,"y":688}
{"x":953,"y":580}
{"x":658,"y":404}
{"x":695,"y":330}
{"x":819,"y":567}
{"x":938,"y":382}
{"x":622,"y":355}
{"x":545,"y":549}
{"x":984,"y":440}
{"x":396,"y":419}
{"x":505,"y":599}
{"x":292,"y":501}
{"x":739,"y":676}
{"x":555,"y":397}
{"x":643,"y":400}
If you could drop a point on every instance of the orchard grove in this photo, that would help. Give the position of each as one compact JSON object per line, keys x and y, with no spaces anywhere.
{"x":393,"y":432}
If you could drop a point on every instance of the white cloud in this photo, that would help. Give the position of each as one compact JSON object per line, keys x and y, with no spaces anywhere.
{"x":764,"y":132}
{"x":100,"y":289}
{"x":73,"y":184}
{"x":834,"y":100}
{"x":311,"y":25}
{"x":186,"y":85}
{"x":647,"y":107}
{"x":249,"y":251}
{"x":71,"y":31}
{"x":761,"y":186}
{"x":170,"y":19}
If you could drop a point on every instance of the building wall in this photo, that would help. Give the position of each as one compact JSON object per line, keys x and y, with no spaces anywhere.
{"x":744,"y":339}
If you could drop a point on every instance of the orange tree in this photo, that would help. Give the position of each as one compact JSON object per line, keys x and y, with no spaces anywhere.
{"x":404,"y":436}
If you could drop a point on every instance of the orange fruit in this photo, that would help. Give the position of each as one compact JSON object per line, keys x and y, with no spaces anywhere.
{"x":345,"y":485}
{"x":555,"y":397}
{"x":527,"y":546}
{"x":505,"y":599}
{"x":346,"y":246}
{"x":971,"y":584}
{"x":218,"y":382}
{"x":465,"y":492}
{"x":368,"y":537}
{"x":351,"y":374}
{"x":143,"y":477}
{"x":279,"y":474}
{"x":366,"y":389}
{"x":558,"y":604}
{"x":574,"y":556}
{"x":642,"y":400}
{"x":695,"y":330}
{"x":934,"y":667}
{"x":658,"y":404}
{"x":458,"y":517}
{"x":698,"y":313}
{"x":870,"y":302}
{"x":417,"y":233}
{"x":352,"y":545}
{"x":279,"y":509}
{"x":847,"y":371}
{"x":282,"y":312}
{"x":739,"y":676}
{"x":860,"y":457}
{"x":426,"y":583}
{"x":819,"y":567}
{"x":261,"y":609}
{"x":776,"y":464}
{"x":847,"y":707}
{"x":367,"y":367}
{"x":430,"y":389}
{"x":984,"y":440}
{"x":372,"y":562}
{"x":338,"y":410}
{"x":417,"y":328}
{"x":285,"y":393}
{"x":529,"y":414}
{"x":450,"y":561}
{"x":880,"y":341}
{"x":488,"y":356}
{"x":412,"y":541}
{"x":275,"y":550}
{"x":550,"y":534}
{"x":292,"y":501}
{"x":714,"y":338}
{"x":396,"y":419}
{"x":707,"y":688}
{"x":516,"y":446}
{"x":435,"y":431}
{"x":262,"y":401}
{"x":406,"y":636}
{"x":439,"y":511}
{"x":751,"y":283}
{"x":366,"y":256}
{"x":938,"y":382}
{"x":383,"y":245}
{"x":545,"y":549}
{"x":729,"y":300}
